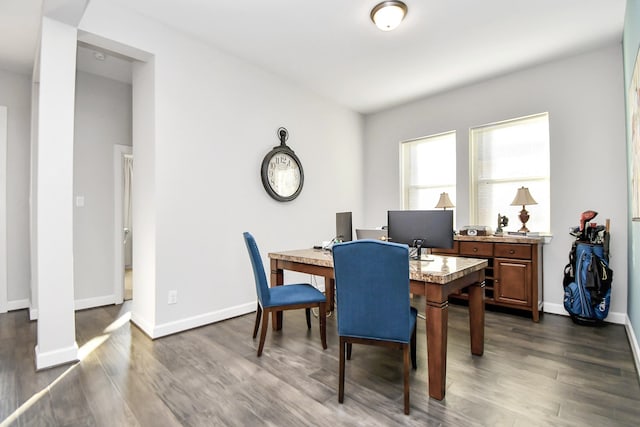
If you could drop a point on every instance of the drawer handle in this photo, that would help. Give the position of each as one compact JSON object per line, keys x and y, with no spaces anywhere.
{"x":475,"y":249}
{"x":511,"y":251}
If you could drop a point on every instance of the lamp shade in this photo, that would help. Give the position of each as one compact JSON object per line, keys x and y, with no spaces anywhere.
{"x":445,"y":201}
{"x":388,"y":14}
{"x":523,"y":198}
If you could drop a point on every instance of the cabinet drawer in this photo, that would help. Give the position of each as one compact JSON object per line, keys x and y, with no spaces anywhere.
{"x":475,"y":249}
{"x":513,"y":250}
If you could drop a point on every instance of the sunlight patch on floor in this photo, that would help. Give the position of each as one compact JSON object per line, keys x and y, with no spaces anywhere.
{"x":83,"y":352}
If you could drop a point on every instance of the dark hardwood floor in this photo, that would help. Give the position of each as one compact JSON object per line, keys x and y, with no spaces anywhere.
{"x":552,"y":373}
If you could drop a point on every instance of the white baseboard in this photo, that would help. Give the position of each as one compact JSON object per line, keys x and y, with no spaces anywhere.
{"x":61,"y":356}
{"x":18,"y":304}
{"x":21,"y":304}
{"x":79,"y":304}
{"x":613,"y":317}
{"x":143,"y":324}
{"x":82,"y":304}
{"x":201,"y":320}
{"x":633,"y":342}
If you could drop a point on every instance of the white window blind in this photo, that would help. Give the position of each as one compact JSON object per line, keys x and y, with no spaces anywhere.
{"x":504,"y":157}
{"x":428,"y":168}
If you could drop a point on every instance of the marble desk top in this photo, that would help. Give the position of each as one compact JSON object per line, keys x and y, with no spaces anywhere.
{"x":439,"y":269}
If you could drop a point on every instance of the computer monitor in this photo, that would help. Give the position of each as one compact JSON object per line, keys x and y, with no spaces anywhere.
{"x":343,"y":227}
{"x":421,"y":228}
{"x":371,"y":233}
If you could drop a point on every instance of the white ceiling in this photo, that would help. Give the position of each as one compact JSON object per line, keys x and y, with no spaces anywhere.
{"x":331,"y":47}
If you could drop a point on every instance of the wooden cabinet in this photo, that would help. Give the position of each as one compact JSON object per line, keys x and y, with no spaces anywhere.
{"x":513,"y":277}
{"x":512,"y":281}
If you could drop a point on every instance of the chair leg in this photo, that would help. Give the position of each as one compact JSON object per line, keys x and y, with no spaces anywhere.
{"x":307,"y":313}
{"x":405,"y":350}
{"x":257,"y":325}
{"x":263,"y":332}
{"x":414,"y":363}
{"x":349,"y":347}
{"x":341,"y":371}
{"x":322,"y":314}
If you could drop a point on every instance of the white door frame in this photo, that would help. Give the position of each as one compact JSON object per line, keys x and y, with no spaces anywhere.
{"x":3,"y":210}
{"x":119,"y":152}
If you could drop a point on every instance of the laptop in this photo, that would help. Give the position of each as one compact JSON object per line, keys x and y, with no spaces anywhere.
{"x":363,"y":233}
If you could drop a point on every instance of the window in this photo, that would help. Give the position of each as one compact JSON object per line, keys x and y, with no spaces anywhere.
{"x":428,"y":168}
{"x":506,"y":156}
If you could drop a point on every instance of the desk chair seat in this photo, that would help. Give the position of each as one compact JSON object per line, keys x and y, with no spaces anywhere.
{"x":294,"y":294}
{"x":288,"y":297}
{"x":372,"y":288}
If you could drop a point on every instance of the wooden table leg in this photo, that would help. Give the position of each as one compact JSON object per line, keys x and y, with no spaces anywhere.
{"x":277,"y":279}
{"x":329,"y":286}
{"x":437,"y":314}
{"x":476,"y":318}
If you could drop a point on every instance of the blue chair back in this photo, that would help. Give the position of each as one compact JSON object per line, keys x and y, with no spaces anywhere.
{"x":372,"y":290}
{"x":262,"y":287}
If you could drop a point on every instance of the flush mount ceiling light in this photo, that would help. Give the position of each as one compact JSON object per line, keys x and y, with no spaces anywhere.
{"x":388,"y":14}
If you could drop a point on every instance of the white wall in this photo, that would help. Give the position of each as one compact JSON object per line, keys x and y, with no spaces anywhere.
{"x":143,"y":311}
{"x":33,"y":191}
{"x":54,"y":217}
{"x":3,"y":208}
{"x":102,"y":120}
{"x":215,"y":117}
{"x":15,"y":93}
{"x":584,"y":98}
{"x":631,"y":44}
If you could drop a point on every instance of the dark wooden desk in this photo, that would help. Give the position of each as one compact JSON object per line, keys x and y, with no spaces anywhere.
{"x":436,"y":280}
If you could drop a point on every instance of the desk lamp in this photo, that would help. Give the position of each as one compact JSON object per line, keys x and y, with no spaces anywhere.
{"x":445,"y":202}
{"x":523,"y":197}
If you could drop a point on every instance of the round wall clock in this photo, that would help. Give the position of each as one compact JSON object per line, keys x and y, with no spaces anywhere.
{"x":281,"y":171}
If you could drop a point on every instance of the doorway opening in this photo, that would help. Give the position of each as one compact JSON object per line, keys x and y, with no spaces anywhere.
{"x":123,"y":236}
{"x":127,"y":166}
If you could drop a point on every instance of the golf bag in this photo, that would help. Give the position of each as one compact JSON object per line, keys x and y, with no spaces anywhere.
{"x":587,"y":277}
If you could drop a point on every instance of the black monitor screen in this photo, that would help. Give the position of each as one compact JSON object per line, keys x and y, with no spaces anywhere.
{"x":421,"y":229}
{"x":343,"y":227}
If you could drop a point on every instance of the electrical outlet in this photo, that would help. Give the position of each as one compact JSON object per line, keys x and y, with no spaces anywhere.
{"x":173,"y":297}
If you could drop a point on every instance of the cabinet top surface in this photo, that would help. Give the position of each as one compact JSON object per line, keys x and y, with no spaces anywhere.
{"x":500,"y":239}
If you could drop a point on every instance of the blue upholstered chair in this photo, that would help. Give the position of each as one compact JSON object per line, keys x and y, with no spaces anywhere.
{"x":372,"y":289}
{"x":288,"y":297}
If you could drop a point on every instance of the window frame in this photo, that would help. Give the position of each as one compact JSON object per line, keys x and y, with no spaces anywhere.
{"x":519,"y":181}
{"x":405,"y":187}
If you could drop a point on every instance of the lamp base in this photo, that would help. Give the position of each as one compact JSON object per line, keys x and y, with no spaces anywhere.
{"x":524,"y":217}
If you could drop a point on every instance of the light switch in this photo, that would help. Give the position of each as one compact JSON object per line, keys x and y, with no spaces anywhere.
{"x":80,"y":201}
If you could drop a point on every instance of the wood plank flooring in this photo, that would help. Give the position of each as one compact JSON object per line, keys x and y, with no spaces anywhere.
{"x":552,"y":373}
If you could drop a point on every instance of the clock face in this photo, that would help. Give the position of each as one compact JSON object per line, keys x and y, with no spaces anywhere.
{"x":282,"y":174}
